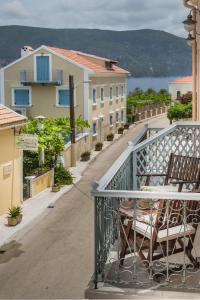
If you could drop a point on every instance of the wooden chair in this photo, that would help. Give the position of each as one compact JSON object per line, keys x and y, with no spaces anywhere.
{"x":181,"y":170}
{"x":166,"y":225}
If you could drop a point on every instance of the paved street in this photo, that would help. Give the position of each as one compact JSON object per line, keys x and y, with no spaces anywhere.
{"x":54,"y":258}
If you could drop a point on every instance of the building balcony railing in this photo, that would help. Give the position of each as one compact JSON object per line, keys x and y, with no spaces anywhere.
{"x":27,"y":77}
{"x":147,"y":241}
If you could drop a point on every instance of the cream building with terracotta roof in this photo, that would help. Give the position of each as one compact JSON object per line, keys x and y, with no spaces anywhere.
{"x":180,"y":86}
{"x":38,"y":84}
{"x":11,"y":189}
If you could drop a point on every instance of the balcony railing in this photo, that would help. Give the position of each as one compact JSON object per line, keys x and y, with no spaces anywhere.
{"x":27,"y":77}
{"x":172,"y":267}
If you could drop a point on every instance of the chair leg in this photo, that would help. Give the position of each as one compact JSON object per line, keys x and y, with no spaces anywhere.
{"x":125,"y":234}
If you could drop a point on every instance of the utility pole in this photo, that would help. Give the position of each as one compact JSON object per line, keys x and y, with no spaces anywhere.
{"x":72,"y":121}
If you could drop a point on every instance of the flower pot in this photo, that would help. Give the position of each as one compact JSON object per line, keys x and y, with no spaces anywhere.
{"x":55,"y":188}
{"x":126,"y":126}
{"x":110,"y":138}
{"x":98,"y":147}
{"x":120,"y":130}
{"x":19,"y":218}
{"x":13,"y":221}
{"x":85,"y":158}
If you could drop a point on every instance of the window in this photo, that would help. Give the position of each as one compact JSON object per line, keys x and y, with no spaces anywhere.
{"x":42,"y":68}
{"x":117,"y":92}
{"x":111,"y":120}
{"x":122,"y":91}
{"x":117,"y":117}
{"x":102,"y":94}
{"x":122,"y":116}
{"x":94,"y":96}
{"x":94,"y":128}
{"x":63,"y":97}
{"x":111,"y":93}
{"x":21,"y":97}
{"x":178,"y":94}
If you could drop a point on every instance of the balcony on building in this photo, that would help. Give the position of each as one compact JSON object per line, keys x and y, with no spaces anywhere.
{"x":169,"y":268}
{"x":28,"y":77}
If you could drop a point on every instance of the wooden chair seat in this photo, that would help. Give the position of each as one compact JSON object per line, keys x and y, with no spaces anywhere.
{"x":163,"y":235}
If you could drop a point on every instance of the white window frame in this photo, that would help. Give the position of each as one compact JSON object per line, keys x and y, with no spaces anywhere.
{"x":66,"y":87}
{"x":102,"y":88}
{"x":94,"y":103}
{"x":122,"y":120}
{"x":117,"y":87}
{"x":111,"y":99}
{"x":50,"y":65}
{"x":94,"y":122}
{"x":22,"y":88}
{"x":111,"y":114}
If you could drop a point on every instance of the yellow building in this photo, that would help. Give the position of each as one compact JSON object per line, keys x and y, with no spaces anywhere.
{"x":10,"y":160}
{"x":38,"y":84}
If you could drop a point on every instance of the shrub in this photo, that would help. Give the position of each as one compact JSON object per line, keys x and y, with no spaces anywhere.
{"x":126,"y":126}
{"x":180,"y":111}
{"x":14,"y":212}
{"x":98,"y":146}
{"x":110,"y":137}
{"x":121,"y":130}
{"x":85,"y":156}
{"x":62,"y":176}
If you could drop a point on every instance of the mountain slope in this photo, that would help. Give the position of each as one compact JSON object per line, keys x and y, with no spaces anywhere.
{"x":142,"y":52}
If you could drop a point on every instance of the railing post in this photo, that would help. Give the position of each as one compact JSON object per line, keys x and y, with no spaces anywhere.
{"x":134,"y":172}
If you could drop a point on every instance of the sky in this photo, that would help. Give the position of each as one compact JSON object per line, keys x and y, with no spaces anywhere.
{"x":164,"y":15}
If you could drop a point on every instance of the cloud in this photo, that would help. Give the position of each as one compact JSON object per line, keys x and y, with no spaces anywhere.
{"x":14,"y":9}
{"x":113,"y":14}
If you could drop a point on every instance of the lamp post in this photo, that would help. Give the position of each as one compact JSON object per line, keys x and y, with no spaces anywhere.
{"x":40,"y":127}
{"x":190,"y":26}
{"x":72,"y":121}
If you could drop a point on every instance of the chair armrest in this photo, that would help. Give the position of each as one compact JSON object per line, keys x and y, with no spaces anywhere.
{"x":150,"y":174}
{"x":184,"y":181}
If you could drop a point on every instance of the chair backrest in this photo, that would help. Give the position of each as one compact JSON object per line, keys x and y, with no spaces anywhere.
{"x":183,"y":168}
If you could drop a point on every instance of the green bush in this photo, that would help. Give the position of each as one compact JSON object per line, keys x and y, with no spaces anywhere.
{"x":14,"y":212}
{"x":180,"y":111}
{"x":62,"y":176}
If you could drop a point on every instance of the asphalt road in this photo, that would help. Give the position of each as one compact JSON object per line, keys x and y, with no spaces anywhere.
{"x":54,"y":257}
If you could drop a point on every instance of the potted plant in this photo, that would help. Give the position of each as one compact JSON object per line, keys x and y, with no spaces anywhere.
{"x":126,"y":126}
{"x":14,"y":215}
{"x":55,"y":187}
{"x":98,"y":146}
{"x":110,"y":137}
{"x":120,"y":130}
{"x":85,"y":156}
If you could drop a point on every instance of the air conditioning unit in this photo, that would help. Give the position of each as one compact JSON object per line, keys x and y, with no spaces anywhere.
{"x":21,"y":111}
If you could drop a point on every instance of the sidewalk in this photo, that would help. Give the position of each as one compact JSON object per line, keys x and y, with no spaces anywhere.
{"x":34,"y":207}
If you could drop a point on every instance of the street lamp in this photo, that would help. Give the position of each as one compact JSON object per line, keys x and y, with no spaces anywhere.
{"x":189,"y":23}
{"x":40,"y":125}
{"x":190,"y":40}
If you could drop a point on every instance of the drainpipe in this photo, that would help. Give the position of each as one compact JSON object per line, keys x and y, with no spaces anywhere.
{"x":195,"y":114}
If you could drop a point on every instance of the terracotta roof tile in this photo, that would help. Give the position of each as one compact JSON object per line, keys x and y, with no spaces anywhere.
{"x":84,"y":60}
{"x":9,"y":117}
{"x":186,"y":79}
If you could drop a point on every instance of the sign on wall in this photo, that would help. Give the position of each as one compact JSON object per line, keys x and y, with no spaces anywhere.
{"x":27,"y":142}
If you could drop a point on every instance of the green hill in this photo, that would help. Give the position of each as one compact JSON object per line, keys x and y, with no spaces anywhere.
{"x":142,"y":52}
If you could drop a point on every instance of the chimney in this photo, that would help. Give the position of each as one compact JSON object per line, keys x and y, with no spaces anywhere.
{"x":26,"y":50}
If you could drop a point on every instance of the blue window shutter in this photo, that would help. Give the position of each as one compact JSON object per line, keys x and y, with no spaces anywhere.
{"x":42,"y":64}
{"x":21,"y":97}
{"x":63,"y":97}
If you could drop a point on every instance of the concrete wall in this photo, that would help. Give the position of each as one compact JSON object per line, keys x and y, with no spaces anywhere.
{"x":182,"y":87}
{"x":10,"y":171}
{"x":41,"y":183}
{"x":82,"y":144}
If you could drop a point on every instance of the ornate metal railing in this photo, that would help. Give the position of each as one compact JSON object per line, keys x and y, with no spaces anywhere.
{"x":120,"y":184}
